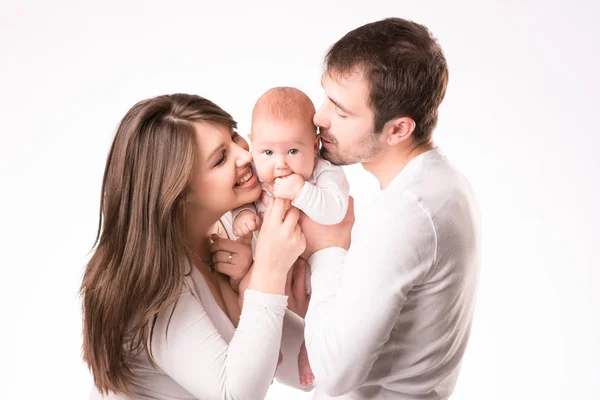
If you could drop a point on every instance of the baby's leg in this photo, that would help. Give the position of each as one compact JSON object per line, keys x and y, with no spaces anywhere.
{"x":304,"y":369}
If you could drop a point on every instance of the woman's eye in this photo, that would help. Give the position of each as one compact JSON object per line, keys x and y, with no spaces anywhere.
{"x":269,"y":152}
{"x":293,"y":151}
{"x":222,"y":159}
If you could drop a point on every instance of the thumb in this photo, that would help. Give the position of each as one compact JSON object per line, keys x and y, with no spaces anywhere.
{"x":266,"y":198}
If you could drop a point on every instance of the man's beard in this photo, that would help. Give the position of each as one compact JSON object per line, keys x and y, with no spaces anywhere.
{"x":364,"y":151}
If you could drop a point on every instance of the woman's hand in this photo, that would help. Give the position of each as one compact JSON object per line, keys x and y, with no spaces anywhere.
{"x":280,"y":242}
{"x":232,"y":257}
{"x":295,"y":288}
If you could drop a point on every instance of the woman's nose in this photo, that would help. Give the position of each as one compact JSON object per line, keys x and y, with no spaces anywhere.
{"x":244,"y":157}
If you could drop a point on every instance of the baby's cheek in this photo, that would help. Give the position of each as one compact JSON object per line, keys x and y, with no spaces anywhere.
{"x":307,"y":168}
{"x":265,"y":175}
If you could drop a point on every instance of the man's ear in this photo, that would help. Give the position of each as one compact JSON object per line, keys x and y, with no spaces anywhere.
{"x":399,"y":129}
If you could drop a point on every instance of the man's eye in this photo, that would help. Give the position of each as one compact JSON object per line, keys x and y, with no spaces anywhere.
{"x":293,"y":151}
{"x":268,"y":152}
{"x":340,"y":114}
{"x":222,"y":159}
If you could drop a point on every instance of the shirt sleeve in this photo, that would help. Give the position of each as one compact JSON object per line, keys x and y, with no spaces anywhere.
{"x":188,"y":347}
{"x":325,"y":201}
{"x":363,"y":290}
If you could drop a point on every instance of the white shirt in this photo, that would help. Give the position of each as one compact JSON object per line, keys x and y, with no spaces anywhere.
{"x":203,"y":356}
{"x":324,"y":197}
{"x":390,"y":318}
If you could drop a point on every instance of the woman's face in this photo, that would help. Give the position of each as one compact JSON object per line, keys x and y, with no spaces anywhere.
{"x":223,"y":177}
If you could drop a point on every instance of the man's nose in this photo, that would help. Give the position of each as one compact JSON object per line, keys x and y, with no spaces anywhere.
{"x":319,"y":117}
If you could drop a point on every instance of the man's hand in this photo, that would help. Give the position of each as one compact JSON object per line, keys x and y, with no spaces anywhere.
{"x":288,"y":187}
{"x":319,"y":236}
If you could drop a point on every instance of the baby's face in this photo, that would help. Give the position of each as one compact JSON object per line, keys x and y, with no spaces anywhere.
{"x":281,"y":148}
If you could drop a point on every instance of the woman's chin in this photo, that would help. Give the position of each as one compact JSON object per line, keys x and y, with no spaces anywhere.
{"x":248,"y":195}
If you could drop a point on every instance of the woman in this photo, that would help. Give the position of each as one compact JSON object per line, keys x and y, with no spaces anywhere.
{"x":160,"y":319}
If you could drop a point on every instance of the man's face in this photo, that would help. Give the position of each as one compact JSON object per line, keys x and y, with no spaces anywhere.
{"x":345,"y":120}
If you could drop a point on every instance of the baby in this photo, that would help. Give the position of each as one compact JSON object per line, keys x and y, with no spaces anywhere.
{"x":285,"y":152}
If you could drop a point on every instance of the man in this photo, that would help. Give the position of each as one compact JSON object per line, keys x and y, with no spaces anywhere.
{"x":390,"y":317}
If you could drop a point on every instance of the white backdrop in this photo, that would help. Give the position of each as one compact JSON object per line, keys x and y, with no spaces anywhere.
{"x":517,"y":119}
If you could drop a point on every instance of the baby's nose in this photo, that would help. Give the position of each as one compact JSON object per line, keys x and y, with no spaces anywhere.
{"x":280,"y":163}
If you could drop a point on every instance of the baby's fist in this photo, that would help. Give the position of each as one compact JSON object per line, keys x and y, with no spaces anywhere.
{"x":245,"y":222}
{"x":288,"y":187}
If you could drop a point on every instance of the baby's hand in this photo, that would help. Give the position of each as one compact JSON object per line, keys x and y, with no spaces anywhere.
{"x":245,"y":222}
{"x":288,"y":187}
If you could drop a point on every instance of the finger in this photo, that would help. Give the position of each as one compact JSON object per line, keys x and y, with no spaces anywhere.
{"x":227,"y":269}
{"x":302,"y":238}
{"x":224,"y":245}
{"x":288,"y":204}
{"x":245,"y":239}
{"x":268,"y":188}
{"x":248,"y":227}
{"x":252,"y":226}
{"x":223,"y":257}
{"x":291,"y":219}
{"x":265,"y":198}
{"x":277,"y":209}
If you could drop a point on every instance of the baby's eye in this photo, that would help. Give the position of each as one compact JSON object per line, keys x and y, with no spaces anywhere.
{"x":293,"y":151}
{"x":268,"y":152}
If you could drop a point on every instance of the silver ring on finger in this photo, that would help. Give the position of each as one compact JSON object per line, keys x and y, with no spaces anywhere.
{"x":230,"y":258}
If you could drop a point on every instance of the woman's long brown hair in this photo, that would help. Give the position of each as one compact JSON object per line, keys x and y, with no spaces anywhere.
{"x":139,"y":261}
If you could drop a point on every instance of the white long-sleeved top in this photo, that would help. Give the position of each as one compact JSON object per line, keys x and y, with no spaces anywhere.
{"x":324,"y":196}
{"x":203,"y":356}
{"x":390,"y":318}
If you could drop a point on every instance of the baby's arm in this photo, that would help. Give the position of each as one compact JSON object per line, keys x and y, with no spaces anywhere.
{"x":326,"y":201}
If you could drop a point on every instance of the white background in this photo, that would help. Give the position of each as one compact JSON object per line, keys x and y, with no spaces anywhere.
{"x":518,"y":120}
